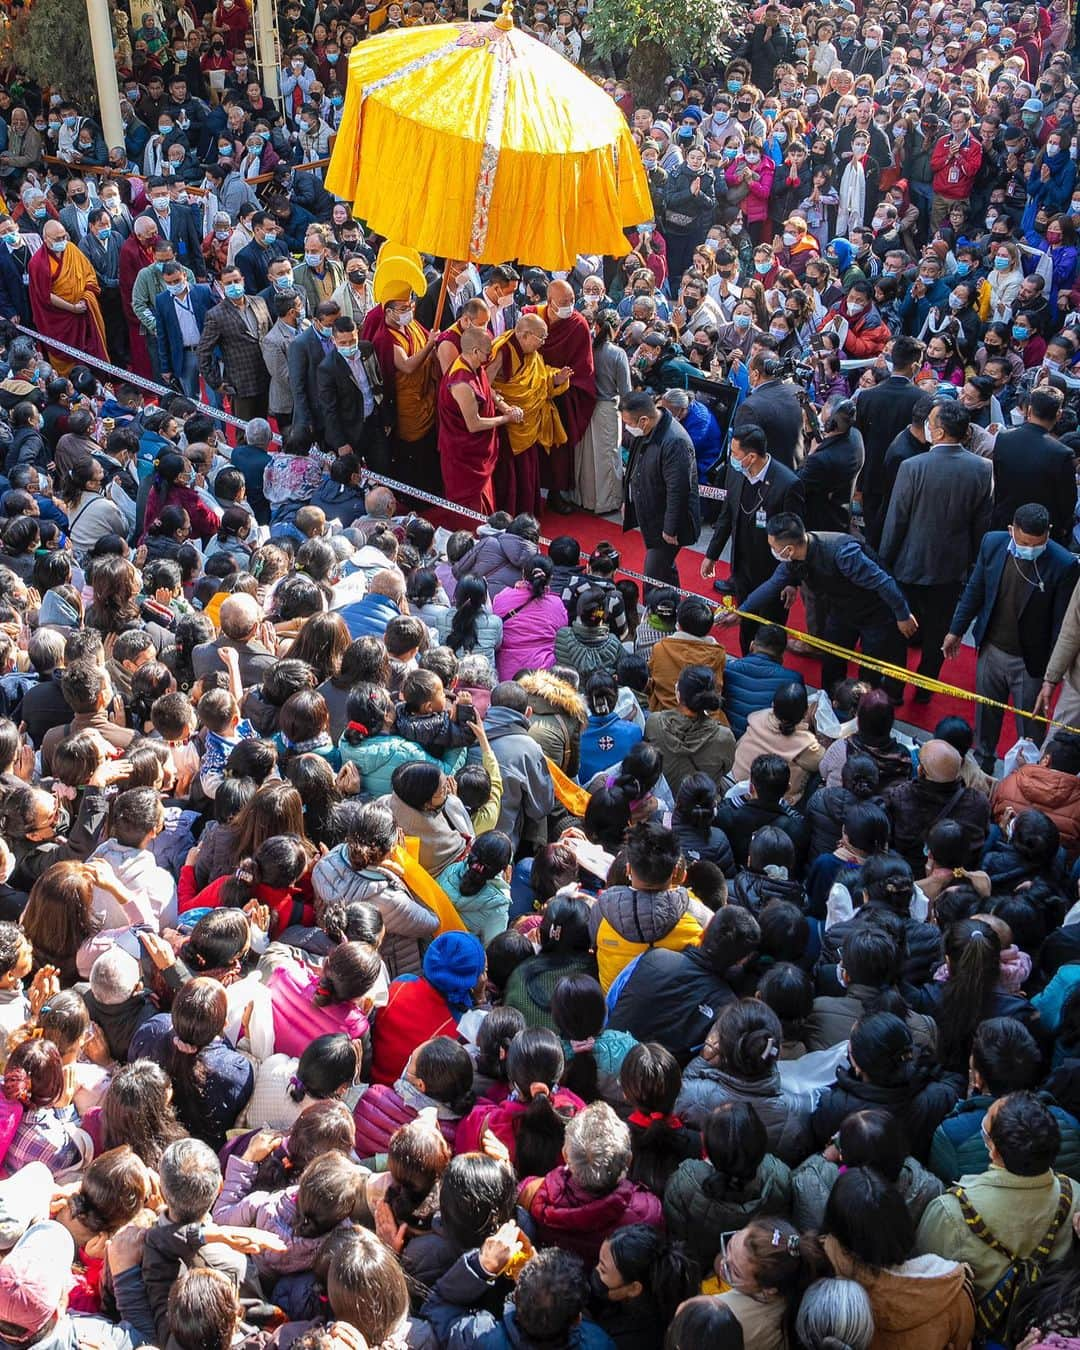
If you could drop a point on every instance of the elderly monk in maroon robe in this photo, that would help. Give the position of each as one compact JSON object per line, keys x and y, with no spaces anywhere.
{"x":474,"y":314}
{"x":569,"y":343}
{"x":470,"y":415}
{"x":64,"y":292}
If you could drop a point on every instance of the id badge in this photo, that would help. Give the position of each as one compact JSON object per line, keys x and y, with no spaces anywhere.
{"x":760,"y":519}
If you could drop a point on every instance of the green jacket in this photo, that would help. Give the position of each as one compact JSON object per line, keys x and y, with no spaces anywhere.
{"x":698,"y":1207}
{"x":148,"y":286}
{"x":1017,"y":1210}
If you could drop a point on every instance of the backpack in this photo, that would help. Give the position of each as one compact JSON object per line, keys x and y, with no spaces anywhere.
{"x":994,"y":1308}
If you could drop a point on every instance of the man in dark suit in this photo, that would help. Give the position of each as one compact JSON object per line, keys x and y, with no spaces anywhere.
{"x":254,"y":259}
{"x":181,"y":312}
{"x":305,"y":357}
{"x":881,"y":414}
{"x":350,"y":394}
{"x":176,"y":223}
{"x":828,"y":474}
{"x":660,"y":490}
{"x":1031,"y":465}
{"x":499,"y":292}
{"x":773,"y":404}
{"x":1017,"y":596}
{"x":235,"y":328}
{"x":756,"y":487}
{"x":938,"y":513}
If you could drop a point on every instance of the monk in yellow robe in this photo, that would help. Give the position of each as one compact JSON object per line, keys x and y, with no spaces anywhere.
{"x":64,"y":292}
{"x":519,"y":374}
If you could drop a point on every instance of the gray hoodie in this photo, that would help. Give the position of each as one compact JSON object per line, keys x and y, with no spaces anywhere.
{"x":528,"y":793}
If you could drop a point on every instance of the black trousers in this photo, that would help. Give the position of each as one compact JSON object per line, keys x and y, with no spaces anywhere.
{"x":879,"y":637}
{"x":933,"y":606}
{"x":660,"y":562}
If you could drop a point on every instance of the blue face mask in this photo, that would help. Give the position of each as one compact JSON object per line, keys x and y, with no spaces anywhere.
{"x":270,"y":237}
{"x":763,"y":268}
{"x":337,"y":100}
{"x":332,"y":57}
{"x":734,"y":86}
{"x":349,"y":352}
{"x":265,"y":135}
{"x":40,"y":213}
{"x":1019,"y":332}
{"x":105,"y":235}
{"x":1002,"y":264}
{"x":175,"y":287}
{"x":962,"y":269}
{"x":234,"y":290}
{"x":742,"y":321}
{"x":1026,"y":552}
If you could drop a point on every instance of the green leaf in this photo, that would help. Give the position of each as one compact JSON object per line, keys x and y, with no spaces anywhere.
{"x":53,"y":43}
{"x":686,"y":35}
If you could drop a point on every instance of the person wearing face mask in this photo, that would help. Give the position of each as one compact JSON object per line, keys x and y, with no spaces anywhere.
{"x":295,"y":79}
{"x":768,"y":47}
{"x":568,"y":346}
{"x":406,"y":355}
{"x":304,"y":356}
{"x":688,"y":209}
{"x":16,"y":249}
{"x":181,"y":310}
{"x":756,"y":487}
{"x":233,"y":329}
{"x":255,"y":258}
{"x":101,"y":243}
{"x":657,"y":176}
{"x":938,"y":512}
{"x":319,"y":276}
{"x":1017,"y":598}
{"x":176,"y":223}
{"x":1032,"y":465}
{"x":74,"y":216}
{"x":24,"y":145}
{"x":64,"y":292}
{"x":660,"y":487}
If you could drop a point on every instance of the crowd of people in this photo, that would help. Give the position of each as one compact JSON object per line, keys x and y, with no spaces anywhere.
{"x":412,"y":931}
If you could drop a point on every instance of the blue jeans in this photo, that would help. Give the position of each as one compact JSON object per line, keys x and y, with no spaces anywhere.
{"x":189,"y":373}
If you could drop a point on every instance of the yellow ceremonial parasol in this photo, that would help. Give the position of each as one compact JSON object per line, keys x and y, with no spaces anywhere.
{"x":478,"y":142}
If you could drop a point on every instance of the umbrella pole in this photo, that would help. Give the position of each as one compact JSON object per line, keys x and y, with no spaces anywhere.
{"x":442,"y":296}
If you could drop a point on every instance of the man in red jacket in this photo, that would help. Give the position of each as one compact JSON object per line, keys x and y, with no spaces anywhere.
{"x":955,"y":160}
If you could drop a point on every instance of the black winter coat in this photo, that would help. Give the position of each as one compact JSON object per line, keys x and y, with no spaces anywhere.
{"x":741,"y":823}
{"x":673,"y":998}
{"x":925,"y":950}
{"x":919,"y":1104}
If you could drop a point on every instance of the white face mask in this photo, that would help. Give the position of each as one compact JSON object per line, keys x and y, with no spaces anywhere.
{"x":633,"y":431}
{"x":564,"y":311}
{"x":404,"y":318}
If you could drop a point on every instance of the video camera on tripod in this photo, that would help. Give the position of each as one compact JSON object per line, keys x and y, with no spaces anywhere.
{"x":801,"y":373}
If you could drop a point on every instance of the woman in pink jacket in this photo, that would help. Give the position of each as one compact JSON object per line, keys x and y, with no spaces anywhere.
{"x":531,"y":616}
{"x":753,"y":169}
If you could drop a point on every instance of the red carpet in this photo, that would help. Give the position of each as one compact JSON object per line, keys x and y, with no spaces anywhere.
{"x":589,"y":530}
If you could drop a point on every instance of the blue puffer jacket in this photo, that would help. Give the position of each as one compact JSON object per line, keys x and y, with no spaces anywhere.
{"x":604,"y":742}
{"x":958,"y":1149}
{"x":378,"y":756}
{"x":749,"y":685}
{"x":368,"y":617}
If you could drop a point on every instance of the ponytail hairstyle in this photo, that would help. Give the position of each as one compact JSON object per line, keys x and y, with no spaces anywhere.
{"x":445,"y":1068}
{"x":235,"y":521}
{"x":607,"y":815}
{"x":34,"y":1074}
{"x":327,"y":1065}
{"x":564,"y":929}
{"x":640,"y":771}
{"x":497,"y":1032}
{"x":490,"y":855}
{"x":168,"y":467}
{"x":199,"y":1012}
{"x":322,"y":1127}
{"x":371,"y":835}
{"x":534,"y":1067}
{"x":216,"y":942}
{"x":358,"y":921}
{"x":423,"y":587}
{"x":973,"y":952}
{"x":579,"y":1012}
{"x":651,"y":1080}
{"x":736,"y":1144}
{"x":696,"y":690}
{"x":326,"y":1194}
{"x":747,"y":1037}
{"x":665,"y":1271}
{"x":590,"y":611}
{"x":347,"y":974}
{"x":835,"y":1314}
{"x":601,"y":693}
{"x":417,"y":1156}
{"x":789,"y":705}
{"x":64,"y":1020}
{"x":470,"y":598}
{"x":279,"y":864}
{"x":869,"y":1218}
{"x":695,"y":804}
{"x":882,"y":1047}
{"x":113,"y":1189}
{"x":537,"y":571}
{"x":860,"y":777}
{"x":785,"y":1260}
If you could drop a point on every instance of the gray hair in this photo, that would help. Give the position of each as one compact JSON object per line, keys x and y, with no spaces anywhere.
{"x":474,"y":670}
{"x":835,"y":1315}
{"x":676,"y":398}
{"x":114,"y":976}
{"x":239,"y":614}
{"x":45,"y":650}
{"x":190,"y":1179}
{"x":343,"y":548}
{"x":597,"y":1148}
{"x":257,"y":432}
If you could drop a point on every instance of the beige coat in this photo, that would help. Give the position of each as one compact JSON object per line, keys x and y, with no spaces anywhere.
{"x":764,"y":737}
{"x":1065,"y":658}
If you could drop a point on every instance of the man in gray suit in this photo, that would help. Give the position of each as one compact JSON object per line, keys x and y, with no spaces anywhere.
{"x":288,"y":306}
{"x":937,"y":516}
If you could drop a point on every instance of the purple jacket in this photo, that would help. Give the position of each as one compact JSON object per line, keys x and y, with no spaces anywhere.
{"x":381,"y":1111}
{"x":529,"y":629}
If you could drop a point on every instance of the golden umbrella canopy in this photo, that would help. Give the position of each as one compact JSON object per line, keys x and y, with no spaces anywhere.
{"x":479,"y":142}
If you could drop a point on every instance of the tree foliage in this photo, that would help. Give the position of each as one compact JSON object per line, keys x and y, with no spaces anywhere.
{"x":686,"y":35}
{"x":53,"y":46}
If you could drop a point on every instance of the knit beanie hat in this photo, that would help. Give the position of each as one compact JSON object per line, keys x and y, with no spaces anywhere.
{"x":453,"y":964}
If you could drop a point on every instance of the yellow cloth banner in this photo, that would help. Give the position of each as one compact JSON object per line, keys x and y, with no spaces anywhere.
{"x":571,"y":794}
{"x":424,"y":886}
